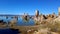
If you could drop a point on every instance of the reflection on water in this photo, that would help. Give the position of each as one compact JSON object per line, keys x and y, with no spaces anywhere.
{"x":20,"y":21}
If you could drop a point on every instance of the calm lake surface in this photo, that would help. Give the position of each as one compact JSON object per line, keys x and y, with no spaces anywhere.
{"x":20,"y":22}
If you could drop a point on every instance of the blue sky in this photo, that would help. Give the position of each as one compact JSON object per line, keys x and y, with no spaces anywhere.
{"x":29,"y":6}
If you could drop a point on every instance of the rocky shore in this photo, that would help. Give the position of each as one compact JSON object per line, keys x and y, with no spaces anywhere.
{"x":43,"y":24}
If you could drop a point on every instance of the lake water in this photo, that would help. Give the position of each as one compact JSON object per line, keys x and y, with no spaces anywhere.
{"x":20,"y":22}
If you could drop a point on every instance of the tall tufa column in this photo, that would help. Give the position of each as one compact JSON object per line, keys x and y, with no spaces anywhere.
{"x":59,"y":11}
{"x":37,"y":13}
